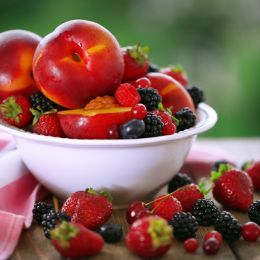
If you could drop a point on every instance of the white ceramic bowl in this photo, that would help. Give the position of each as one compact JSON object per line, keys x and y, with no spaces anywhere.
{"x":130,"y":169}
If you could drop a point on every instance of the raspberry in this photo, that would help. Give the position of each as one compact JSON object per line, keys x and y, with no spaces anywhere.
{"x":127,"y":95}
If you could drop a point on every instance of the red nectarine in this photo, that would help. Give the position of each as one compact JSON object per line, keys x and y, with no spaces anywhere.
{"x":79,"y":61}
{"x":16,"y":54}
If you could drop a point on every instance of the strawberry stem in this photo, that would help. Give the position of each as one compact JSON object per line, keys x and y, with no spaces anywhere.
{"x":55,"y":203}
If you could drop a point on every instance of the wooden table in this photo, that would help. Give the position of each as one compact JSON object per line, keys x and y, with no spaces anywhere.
{"x":34,"y":246}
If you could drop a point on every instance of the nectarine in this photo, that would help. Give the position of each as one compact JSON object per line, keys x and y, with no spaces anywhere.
{"x":77,"y":62}
{"x":16,"y":54}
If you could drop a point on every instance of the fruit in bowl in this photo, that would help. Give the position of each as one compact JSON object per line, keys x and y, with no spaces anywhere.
{"x":17,"y":48}
{"x":119,"y":136}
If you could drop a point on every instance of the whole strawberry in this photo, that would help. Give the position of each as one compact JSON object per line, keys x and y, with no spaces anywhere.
{"x":73,"y":240}
{"x":253,"y":170}
{"x":90,"y":208}
{"x":188,"y":195}
{"x":15,"y":110}
{"x":232,"y":188}
{"x":46,"y":123}
{"x":166,"y":207}
{"x":136,"y":62}
{"x":149,"y":237}
{"x":177,"y":73}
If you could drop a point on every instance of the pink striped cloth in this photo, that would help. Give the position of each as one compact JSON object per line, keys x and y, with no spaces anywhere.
{"x":19,"y":189}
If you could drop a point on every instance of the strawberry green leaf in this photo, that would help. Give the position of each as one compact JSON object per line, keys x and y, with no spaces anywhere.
{"x":36,"y":115}
{"x":202,"y":186}
{"x":10,"y":109}
{"x":246,"y":165}
{"x":161,"y":107}
{"x":223,"y":167}
{"x":139,"y":53}
{"x":106,"y":194}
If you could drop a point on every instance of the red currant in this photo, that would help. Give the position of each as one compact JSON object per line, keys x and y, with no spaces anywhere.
{"x":135,"y":211}
{"x":214,"y":234}
{"x":139,"y":111}
{"x":142,"y":83}
{"x":250,"y":231}
{"x":211,"y":246}
{"x":191,"y":245}
{"x":112,"y":132}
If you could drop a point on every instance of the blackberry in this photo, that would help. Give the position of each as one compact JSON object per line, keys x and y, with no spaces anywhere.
{"x":254,"y":212}
{"x":153,"y":125}
{"x":150,"y":98}
{"x":196,"y":94}
{"x":179,"y":180}
{"x":186,"y":119}
{"x":184,"y":225}
{"x":205,"y":212}
{"x":39,"y":209}
{"x":40,"y":102}
{"x":228,"y":226}
{"x":216,"y":165}
{"x":111,"y":233}
{"x":152,"y":68}
{"x":51,"y":219}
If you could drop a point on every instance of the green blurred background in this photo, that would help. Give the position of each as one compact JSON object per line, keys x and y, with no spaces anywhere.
{"x":217,"y":42}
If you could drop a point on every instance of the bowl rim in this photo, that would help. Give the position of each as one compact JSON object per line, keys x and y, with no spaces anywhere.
{"x":209,"y":120}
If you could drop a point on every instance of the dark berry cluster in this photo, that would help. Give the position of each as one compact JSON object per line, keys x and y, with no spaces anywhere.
{"x":228,"y":226}
{"x":40,"y":102}
{"x":196,"y":94}
{"x":205,"y":212}
{"x":150,"y":98}
{"x":254,"y":212}
{"x":184,"y":225}
{"x":179,"y":180}
{"x":185,"y":119}
{"x":153,"y":125}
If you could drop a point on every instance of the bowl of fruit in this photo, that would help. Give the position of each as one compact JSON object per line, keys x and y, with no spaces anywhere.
{"x":85,"y":112}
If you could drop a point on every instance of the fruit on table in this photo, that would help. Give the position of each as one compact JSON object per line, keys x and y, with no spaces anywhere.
{"x":136,"y":210}
{"x":233,"y":188}
{"x":79,"y":61}
{"x":172,"y":92}
{"x":166,"y":207}
{"x":16,"y":54}
{"x":253,"y":170}
{"x":73,"y":240}
{"x":176,"y":72}
{"x":214,"y":234}
{"x":93,"y":124}
{"x":15,"y":110}
{"x":254,"y":212}
{"x":211,"y":246}
{"x":111,"y":233}
{"x":90,"y":208}
{"x":149,"y":237}
{"x":250,"y":231}
{"x":191,"y":245}
{"x":135,"y":62}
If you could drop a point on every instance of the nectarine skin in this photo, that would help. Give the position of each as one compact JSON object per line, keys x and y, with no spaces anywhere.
{"x":17,"y":48}
{"x":79,"y":61}
{"x":93,"y":124}
{"x":173,"y":93}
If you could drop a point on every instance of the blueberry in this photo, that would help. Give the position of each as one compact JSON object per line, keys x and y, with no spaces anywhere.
{"x":132,"y":129}
{"x":111,"y":233}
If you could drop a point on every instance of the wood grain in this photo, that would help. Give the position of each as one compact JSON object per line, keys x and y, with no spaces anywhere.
{"x":34,"y":246}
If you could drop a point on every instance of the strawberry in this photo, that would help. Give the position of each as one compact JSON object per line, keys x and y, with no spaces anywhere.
{"x":188,"y":195}
{"x":177,"y":73}
{"x":253,"y":170}
{"x":232,"y":188}
{"x":166,"y":207}
{"x":90,"y":208}
{"x":73,"y":240}
{"x":15,"y":110}
{"x":136,"y":62}
{"x":127,"y":95}
{"x":149,"y":237}
{"x":46,"y":123}
{"x":169,"y":128}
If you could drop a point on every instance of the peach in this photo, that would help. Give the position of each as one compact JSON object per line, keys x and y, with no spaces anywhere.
{"x":93,"y":124}
{"x":77,"y":62}
{"x":17,"y":48}
{"x":173,"y":94}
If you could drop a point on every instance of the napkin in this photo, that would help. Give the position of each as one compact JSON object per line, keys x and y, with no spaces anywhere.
{"x":19,"y":189}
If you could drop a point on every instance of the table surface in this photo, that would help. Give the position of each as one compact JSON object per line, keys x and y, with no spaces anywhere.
{"x":33,"y":244}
